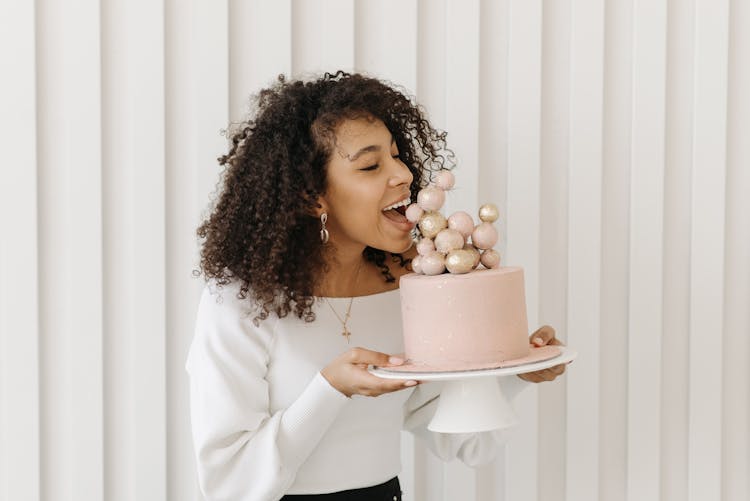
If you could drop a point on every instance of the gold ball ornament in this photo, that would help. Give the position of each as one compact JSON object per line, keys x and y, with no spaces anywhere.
{"x":474,"y":252}
{"x":489,"y":213}
{"x":432,"y":223}
{"x":459,"y":261}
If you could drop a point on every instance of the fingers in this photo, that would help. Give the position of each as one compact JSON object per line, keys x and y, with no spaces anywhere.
{"x":363,"y":356}
{"x":544,"y":375}
{"x":349,"y":374}
{"x":543,"y":336}
{"x":373,"y":386}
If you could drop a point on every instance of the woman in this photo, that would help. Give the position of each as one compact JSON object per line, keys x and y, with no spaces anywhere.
{"x":303,"y":252}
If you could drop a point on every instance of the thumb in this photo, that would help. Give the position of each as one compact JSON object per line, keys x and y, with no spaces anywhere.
{"x":543,"y":336}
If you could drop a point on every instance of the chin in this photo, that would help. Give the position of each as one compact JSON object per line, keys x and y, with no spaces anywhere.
{"x":399,"y":247}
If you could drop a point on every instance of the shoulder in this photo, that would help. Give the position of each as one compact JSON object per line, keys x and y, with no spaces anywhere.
{"x":223,"y":300}
{"x":225,"y":324}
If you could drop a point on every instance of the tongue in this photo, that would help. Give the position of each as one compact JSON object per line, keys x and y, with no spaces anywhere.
{"x":395,"y":215}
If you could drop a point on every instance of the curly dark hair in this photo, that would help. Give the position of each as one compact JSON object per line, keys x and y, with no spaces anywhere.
{"x":262,"y":231}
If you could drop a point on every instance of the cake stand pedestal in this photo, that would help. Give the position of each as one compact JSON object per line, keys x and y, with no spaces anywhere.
{"x":473,"y":401}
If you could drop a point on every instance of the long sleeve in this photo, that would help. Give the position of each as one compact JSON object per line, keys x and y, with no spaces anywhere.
{"x":245,"y":452}
{"x":473,"y":449}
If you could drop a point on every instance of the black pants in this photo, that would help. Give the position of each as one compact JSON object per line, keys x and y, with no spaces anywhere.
{"x":387,"y":491}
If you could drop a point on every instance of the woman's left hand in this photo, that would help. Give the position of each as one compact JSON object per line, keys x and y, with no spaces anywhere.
{"x":544,"y":336}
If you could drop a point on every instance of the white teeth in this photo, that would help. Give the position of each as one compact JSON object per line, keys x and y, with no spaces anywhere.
{"x":403,"y":202}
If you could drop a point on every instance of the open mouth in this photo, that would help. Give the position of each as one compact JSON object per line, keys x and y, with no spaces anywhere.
{"x":397,"y":211}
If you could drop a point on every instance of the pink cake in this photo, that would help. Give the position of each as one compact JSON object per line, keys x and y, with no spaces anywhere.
{"x":467,"y":321}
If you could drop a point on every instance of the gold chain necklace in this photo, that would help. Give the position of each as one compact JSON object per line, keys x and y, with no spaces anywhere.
{"x":346,"y":332}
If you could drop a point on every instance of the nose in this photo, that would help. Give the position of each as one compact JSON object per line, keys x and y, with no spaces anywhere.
{"x":400,"y":173}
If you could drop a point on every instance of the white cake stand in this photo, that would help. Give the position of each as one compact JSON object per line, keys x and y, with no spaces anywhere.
{"x":472,"y":401}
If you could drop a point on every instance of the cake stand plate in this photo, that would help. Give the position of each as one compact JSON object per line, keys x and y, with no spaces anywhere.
{"x":472,"y":401}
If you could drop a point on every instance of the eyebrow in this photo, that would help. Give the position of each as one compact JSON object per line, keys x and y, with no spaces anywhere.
{"x":367,"y":149}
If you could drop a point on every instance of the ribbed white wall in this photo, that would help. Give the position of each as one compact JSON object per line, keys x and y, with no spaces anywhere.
{"x":614,"y":134}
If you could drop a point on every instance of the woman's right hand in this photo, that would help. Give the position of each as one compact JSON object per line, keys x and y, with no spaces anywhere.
{"x":348,"y":373}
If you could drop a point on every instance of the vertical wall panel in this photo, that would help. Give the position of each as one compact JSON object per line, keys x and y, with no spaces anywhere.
{"x":118,"y":237}
{"x":19,"y":329}
{"x":135,"y":252}
{"x":522,"y":220}
{"x":553,"y":235}
{"x":260,"y":48}
{"x":707,"y":246}
{"x":646,"y":229}
{"x":70,"y":265}
{"x":386,"y":42}
{"x":148,"y":338}
{"x":616,"y":203}
{"x":431,"y":64}
{"x":210,"y":49}
{"x":584,"y":245}
{"x":677,"y":212}
{"x":323,"y":35}
{"x":735,"y":445}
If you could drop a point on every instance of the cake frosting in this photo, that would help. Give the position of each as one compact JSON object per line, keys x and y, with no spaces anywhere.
{"x":469,"y":321}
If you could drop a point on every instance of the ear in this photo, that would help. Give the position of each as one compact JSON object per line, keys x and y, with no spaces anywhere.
{"x":319,"y":206}
{"x":322,"y":206}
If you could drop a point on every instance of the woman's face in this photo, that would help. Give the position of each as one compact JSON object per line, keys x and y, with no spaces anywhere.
{"x":365,"y":179}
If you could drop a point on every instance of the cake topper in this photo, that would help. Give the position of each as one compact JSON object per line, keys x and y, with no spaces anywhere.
{"x":456,"y":244}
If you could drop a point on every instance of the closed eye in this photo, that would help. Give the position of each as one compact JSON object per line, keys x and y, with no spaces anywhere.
{"x":397,"y":156}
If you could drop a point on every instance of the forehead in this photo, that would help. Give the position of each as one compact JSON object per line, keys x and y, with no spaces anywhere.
{"x":361,"y":132}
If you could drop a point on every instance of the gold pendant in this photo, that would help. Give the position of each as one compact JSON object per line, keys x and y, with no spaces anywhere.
{"x":346,"y":334}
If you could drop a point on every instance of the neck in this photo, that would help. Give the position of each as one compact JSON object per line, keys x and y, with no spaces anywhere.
{"x":343,"y":276}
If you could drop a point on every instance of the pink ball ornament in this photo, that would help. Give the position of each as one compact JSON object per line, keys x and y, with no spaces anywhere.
{"x":414,"y":213}
{"x":448,"y":240}
{"x":462,"y":222}
{"x":431,"y":198}
{"x":445,"y":179}
{"x":432,"y":264}
{"x":490,"y":258}
{"x":484,"y":236}
{"x":425,"y":246}
{"x":416,"y":264}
